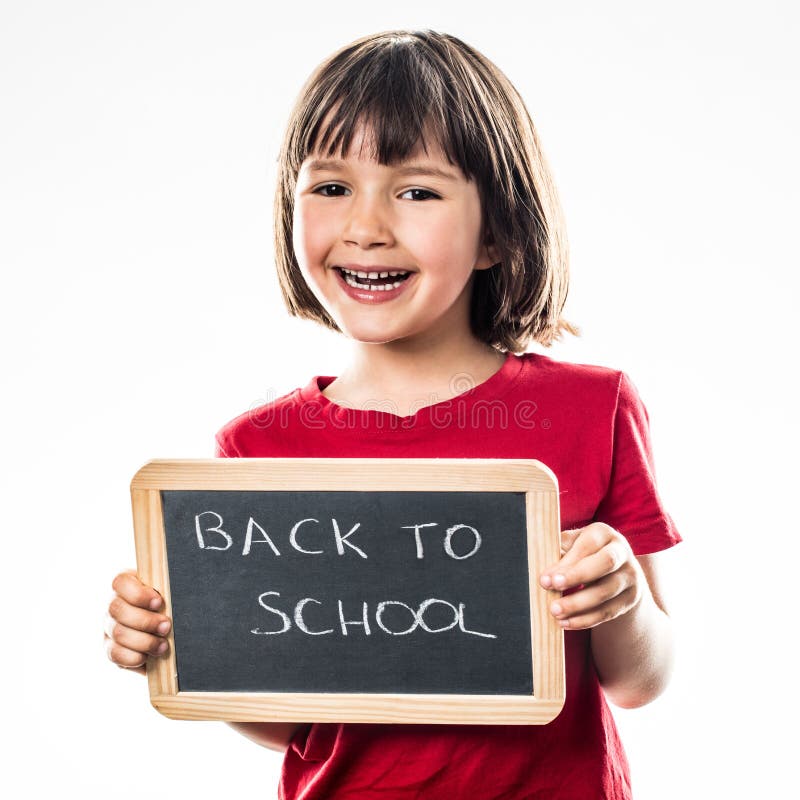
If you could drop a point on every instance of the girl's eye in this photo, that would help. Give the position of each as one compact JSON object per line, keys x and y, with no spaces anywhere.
{"x":417,"y":194}
{"x":330,"y":190}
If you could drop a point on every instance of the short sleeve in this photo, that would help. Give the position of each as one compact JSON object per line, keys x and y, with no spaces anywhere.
{"x":632,"y":504}
{"x":222,"y":449}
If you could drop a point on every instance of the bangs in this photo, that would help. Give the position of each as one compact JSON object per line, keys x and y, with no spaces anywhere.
{"x":397,"y":95}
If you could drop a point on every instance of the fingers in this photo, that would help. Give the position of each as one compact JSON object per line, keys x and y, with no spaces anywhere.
{"x":134,"y":639}
{"x":591,"y":553}
{"x":568,"y":539}
{"x":599,"y":575}
{"x":122,"y":657}
{"x":133,"y":628}
{"x":134,"y":617}
{"x":133,"y":591}
{"x":600,"y":602}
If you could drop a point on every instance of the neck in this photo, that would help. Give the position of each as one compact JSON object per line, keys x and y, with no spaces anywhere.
{"x":412,"y":375}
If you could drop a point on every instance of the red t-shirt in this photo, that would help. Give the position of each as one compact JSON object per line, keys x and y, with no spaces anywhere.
{"x":587,"y":424}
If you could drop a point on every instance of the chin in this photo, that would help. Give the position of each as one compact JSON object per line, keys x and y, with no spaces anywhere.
{"x":365,"y":339}
{"x":371,"y":337}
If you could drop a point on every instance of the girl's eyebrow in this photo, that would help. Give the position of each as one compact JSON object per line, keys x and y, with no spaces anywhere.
{"x":429,"y":170}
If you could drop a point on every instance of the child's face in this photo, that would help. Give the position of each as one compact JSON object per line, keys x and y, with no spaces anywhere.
{"x":357,"y":214}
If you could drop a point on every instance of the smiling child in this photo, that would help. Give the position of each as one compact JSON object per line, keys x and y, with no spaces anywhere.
{"x":415,"y":214}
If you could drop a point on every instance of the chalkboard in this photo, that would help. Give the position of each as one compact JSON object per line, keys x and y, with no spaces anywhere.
{"x":331,"y":589}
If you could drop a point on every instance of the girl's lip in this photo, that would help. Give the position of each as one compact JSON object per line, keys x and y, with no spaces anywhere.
{"x":367,"y":297}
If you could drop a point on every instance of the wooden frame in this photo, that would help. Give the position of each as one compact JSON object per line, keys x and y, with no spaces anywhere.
{"x":355,"y":474}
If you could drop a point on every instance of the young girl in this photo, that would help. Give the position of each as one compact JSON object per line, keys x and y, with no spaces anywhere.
{"x":415,"y":214}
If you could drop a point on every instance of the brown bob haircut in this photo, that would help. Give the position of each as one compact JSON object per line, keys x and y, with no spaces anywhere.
{"x":399,"y":84}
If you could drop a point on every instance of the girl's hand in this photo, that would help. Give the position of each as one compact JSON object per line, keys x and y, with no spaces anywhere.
{"x":601,"y":574}
{"x":134,"y":628}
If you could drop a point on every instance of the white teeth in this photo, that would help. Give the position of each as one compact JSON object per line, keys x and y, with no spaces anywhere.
{"x":379,"y":288}
{"x":350,"y":276}
{"x":374,"y":275}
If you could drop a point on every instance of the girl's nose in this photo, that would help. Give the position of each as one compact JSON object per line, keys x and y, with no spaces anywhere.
{"x":368,"y":224}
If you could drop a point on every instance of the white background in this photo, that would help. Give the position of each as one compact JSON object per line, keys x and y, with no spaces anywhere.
{"x":140,"y":312}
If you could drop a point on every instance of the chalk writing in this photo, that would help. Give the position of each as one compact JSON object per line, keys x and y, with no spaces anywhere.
{"x":424,"y":591}
{"x":202,"y":529}
{"x":417,"y":616}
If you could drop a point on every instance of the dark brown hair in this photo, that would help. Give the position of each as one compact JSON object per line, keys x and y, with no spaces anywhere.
{"x":399,"y":84}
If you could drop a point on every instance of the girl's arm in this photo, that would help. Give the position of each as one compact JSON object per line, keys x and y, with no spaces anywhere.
{"x":633,"y":653}
{"x":618,"y":597}
{"x":136,"y":628}
{"x":272,"y":735}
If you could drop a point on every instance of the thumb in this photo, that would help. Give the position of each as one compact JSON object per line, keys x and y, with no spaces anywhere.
{"x":568,"y":538}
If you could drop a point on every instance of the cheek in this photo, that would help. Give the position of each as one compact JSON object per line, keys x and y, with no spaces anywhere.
{"x":448,"y":243}
{"x":430,"y":241}
{"x":311,"y":242}
{"x":300,"y":232}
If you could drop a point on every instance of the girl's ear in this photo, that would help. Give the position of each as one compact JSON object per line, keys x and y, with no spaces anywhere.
{"x":488,"y":255}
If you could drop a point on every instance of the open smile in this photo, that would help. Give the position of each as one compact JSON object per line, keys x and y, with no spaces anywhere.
{"x":373,"y":285}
